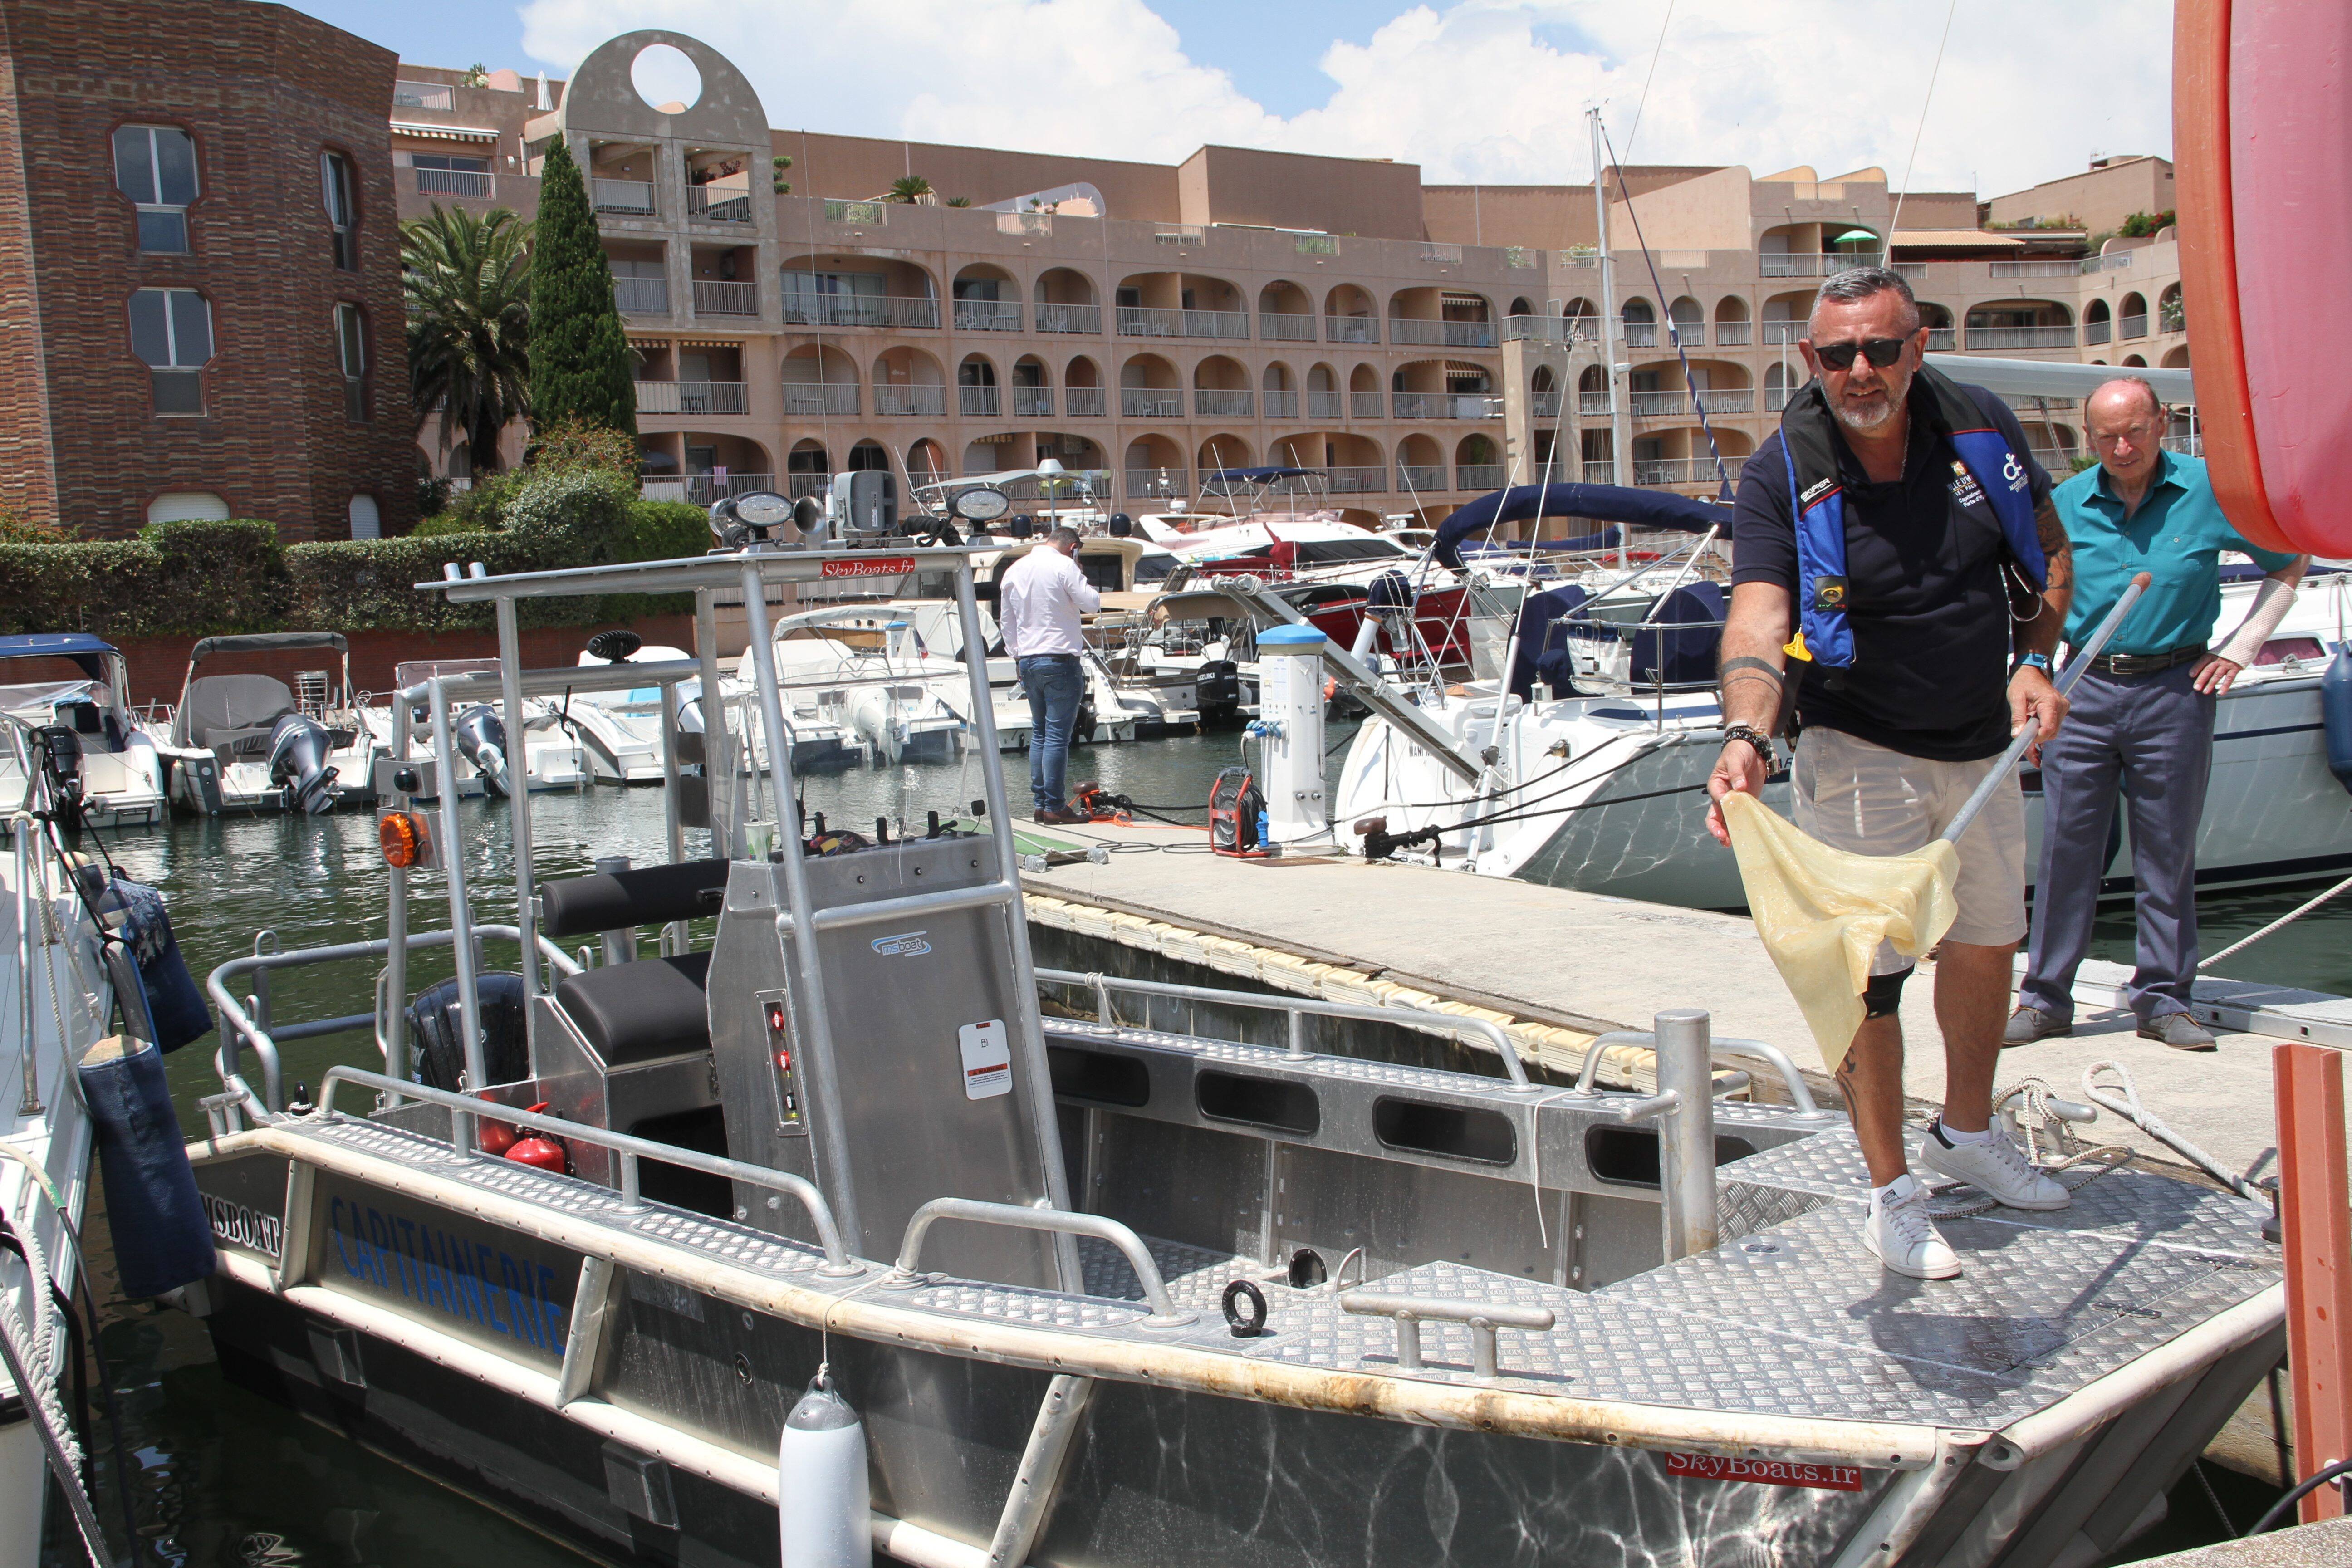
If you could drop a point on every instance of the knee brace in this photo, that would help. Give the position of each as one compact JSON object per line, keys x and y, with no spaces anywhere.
{"x":1883,"y":995}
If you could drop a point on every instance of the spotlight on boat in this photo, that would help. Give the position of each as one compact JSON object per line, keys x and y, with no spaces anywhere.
{"x":482,"y":740}
{"x":299,"y":749}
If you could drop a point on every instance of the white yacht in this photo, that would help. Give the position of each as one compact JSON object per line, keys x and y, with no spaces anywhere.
{"x":860,"y":668}
{"x":94,"y":740}
{"x":247,"y":743}
{"x":553,"y":755}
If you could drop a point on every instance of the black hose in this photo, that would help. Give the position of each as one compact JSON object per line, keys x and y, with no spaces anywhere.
{"x":2340,"y":1468}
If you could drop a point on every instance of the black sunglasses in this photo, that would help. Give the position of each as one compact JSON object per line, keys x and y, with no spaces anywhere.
{"x":1880,"y":351}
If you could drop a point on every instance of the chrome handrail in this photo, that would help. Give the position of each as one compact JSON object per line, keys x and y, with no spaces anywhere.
{"x":469,"y":1110}
{"x":1762,"y":1051}
{"x":1165,"y":1313}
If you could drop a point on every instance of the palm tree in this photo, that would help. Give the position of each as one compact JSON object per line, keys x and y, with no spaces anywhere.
{"x":465,"y":279}
{"x":913,"y":188}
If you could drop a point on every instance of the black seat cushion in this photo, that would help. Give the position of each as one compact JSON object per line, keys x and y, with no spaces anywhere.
{"x":644,"y":896}
{"x":637,"y":1012}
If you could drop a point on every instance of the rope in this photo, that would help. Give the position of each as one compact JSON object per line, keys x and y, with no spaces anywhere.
{"x":2290,"y":917}
{"x":1644,"y":101}
{"x":2042,"y":1122}
{"x":28,"y":1348}
{"x":1897,"y":220}
{"x":1698,"y":403}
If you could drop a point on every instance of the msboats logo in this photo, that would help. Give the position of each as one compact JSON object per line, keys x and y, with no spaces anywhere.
{"x":906,"y":944}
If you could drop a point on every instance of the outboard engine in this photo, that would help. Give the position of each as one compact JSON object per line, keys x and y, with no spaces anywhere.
{"x":435,"y":1023}
{"x":1217,"y":690}
{"x":482,"y":740}
{"x":56,"y":751}
{"x":299,"y":749}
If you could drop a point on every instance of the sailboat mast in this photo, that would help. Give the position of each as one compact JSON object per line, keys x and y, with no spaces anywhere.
{"x":1620,"y":409}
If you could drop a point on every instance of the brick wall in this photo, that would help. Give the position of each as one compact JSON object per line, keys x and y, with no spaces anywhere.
{"x":262,"y":89}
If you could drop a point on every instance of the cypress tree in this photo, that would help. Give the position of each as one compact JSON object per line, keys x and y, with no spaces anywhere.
{"x":579,"y":355}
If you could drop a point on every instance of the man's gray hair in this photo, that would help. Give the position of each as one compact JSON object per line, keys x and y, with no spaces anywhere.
{"x":1856,"y":284}
{"x":1064,"y":535}
{"x":2155,"y":403}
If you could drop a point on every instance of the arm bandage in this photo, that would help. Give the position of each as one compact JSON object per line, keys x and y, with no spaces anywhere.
{"x":2271,"y":602}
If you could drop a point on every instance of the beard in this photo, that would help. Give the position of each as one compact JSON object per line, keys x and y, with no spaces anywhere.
{"x":1874,"y":417}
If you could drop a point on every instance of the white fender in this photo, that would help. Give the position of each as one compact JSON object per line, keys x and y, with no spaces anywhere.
{"x":822,"y":1500}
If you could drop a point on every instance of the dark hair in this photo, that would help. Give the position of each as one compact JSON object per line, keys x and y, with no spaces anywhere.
{"x":2155,"y":403}
{"x":1856,"y":284}
{"x":1066,"y":536}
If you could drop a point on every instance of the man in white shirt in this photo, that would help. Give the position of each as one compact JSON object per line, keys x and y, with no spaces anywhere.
{"x":1038,"y":603}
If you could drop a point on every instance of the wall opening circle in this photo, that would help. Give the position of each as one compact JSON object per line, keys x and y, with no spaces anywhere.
{"x":665,"y":79}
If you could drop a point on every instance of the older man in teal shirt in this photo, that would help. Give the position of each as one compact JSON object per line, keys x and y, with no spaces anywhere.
{"x":2142,"y":715}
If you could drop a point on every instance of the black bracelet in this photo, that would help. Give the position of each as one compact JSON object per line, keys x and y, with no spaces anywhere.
{"x":1755,"y":737}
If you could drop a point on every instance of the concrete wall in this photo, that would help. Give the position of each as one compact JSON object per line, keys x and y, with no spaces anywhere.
{"x":1371,"y":197}
{"x":2101,"y":198}
{"x":857,"y":167}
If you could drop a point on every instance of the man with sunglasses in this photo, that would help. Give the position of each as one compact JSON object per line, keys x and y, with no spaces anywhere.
{"x":1895,"y":539}
{"x":2143,"y":714}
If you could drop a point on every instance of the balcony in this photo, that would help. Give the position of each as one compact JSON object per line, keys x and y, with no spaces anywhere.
{"x":422,"y":95}
{"x":977,"y":402}
{"x":467,"y":183}
{"x":1591,"y":404}
{"x":2113,"y":261}
{"x":1280,"y":405}
{"x":1275,"y":328}
{"x":1447,"y":405}
{"x":1600,"y":472}
{"x":1778,"y":333}
{"x":1659,"y":405}
{"x":1545,"y":405}
{"x":1033,"y":402}
{"x":1942,"y":339}
{"x":2097,"y":332}
{"x":1356,"y":481}
{"x":808,"y":400}
{"x":911,"y":401}
{"x":2033,"y":268}
{"x":1070,"y":317}
{"x":1151,"y":403}
{"x":1324,"y":405}
{"x":1351,"y":330}
{"x":701,"y":490}
{"x":1734,"y":334}
{"x":1367,"y":406}
{"x":717,"y":203}
{"x":1670,"y":471}
{"x":641,"y":295}
{"x":1478,"y":477}
{"x":1812,"y":264}
{"x":627,"y":199}
{"x":808,"y":486}
{"x":804,"y":310}
{"x":1084,"y":402}
{"x":1217,"y":402}
{"x":2132,"y":326}
{"x":1142,"y":321}
{"x":693,"y":397}
{"x":2021,"y":337}
{"x":1148,"y":484}
{"x":1417,"y":476}
{"x":1441,"y":335}
{"x":1534,"y":329}
{"x":1776,"y":398}
{"x":987,"y":316}
{"x":713,"y":297}
{"x":1641,"y":334}
{"x":1231,"y":325}
{"x":1727,"y":400}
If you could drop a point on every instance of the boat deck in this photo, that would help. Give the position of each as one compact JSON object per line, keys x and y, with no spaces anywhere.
{"x":1586,"y":962}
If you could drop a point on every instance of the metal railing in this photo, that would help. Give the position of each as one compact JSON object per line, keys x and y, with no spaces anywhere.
{"x":1600,"y":472}
{"x":1227,"y":325}
{"x":719,"y":204}
{"x":1657,"y":404}
{"x":1368,"y":405}
{"x":1351,"y":330}
{"x":1152,"y":403}
{"x":1165,"y":1314}
{"x":2062,"y":337}
{"x":1776,"y":333}
{"x":704,"y":489}
{"x":805,"y":398}
{"x":1776,"y":398}
{"x":2097,"y":332}
{"x":1280,"y":404}
{"x":1734,"y":334}
{"x":1149,"y":483}
{"x":797,"y":486}
{"x":1942,"y":339}
{"x":987,"y":316}
{"x":1481,"y":476}
{"x":1034,"y":400}
{"x":2128,"y":327}
{"x":422,"y":95}
{"x":1686,"y":334}
{"x":1070,"y":317}
{"x":1641,"y":334}
{"x":1274,"y":327}
{"x":631,"y":198}
{"x":1146,"y":321}
{"x":1672,"y":470}
{"x":1442,"y":334}
{"x":1221,"y":403}
{"x":1592,"y":403}
{"x":2032,"y":269}
{"x":976,"y":400}
{"x":2112,"y":261}
{"x":1446,"y":405}
{"x":904,"y":401}
{"x":1726,"y":400}
{"x":693,"y":397}
{"x":1813,"y":264}
{"x":715,"y":296}
{"x":1084,"y":402}
{"x":803,"y":310}
{"x":1421,"y":477}
{"x":642,"y":296}
{"x":1326,"y":404}
{"x":1355,"y":481}
{"x":866,"y":215}
{"x":1543,"y":404}
{"x":453,"y":182}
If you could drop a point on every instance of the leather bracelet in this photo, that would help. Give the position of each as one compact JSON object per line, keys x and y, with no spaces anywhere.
{"x":1755,"y":738}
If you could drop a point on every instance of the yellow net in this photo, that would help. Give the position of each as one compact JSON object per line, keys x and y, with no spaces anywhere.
{"x":1821,"y":912}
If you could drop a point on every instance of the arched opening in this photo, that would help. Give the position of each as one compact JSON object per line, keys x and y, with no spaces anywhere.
{"x":1592,"y":392}
{"x":1477,"y":465}
{"x":1149,"y":388}
{"x":1033,"y":389}
{"x":2131,"y":317}
{"x":1522,"y":305}
{"x":2176,"y":359}
{"x":1180,"y":305}
{"x":1349,"y":316}
{"x":1732,"y":327}
{"x":718,"y":466}
{"x":857,"y":291}
{"x":1066,"y":302}
{"x":1286,"y":313}
{"x":1221,"y":389}
{"x":976,"y":394}
{"x":927,"y":462}
{"x":1221,"y":455}
{"x":2171,"y":315}
{"x":1441,"y":389}
{"x":1351,"y":464}
{"x":1784,"y":317}
{"x":1543,"y":394}
{"x":1420,"y":465}
{"x":2136,"y":361}
{"x":1323,"y":401}
{"x":1366,"y":397}
{"x":908,"y":383}
{"x":869,"y":456}
{"x":1441,"y":318}
{"x":808,"y":467}
{"x":1780,"y":381}
{"x":1277,"y":391}
{"x":1155,"y":469}
{"x":1082,"y":389}
{"x":1718,"y":386}
{"x":2022,"y":324}
{"x":817,"y":382}
{"x":1686,"y":320}
{"x":1580,"y":322}
{"x":1937,"y":320}
{"x":1641,"y":320}
{"x":2098,"y":325}
{"x":987,"y":299}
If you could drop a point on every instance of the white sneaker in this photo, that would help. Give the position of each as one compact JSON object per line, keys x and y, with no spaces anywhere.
{"x":1901,"y":1235}
{"x":1999,"y":1170}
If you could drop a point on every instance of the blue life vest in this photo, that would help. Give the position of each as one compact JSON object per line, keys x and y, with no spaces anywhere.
{"x":1817,"y":497}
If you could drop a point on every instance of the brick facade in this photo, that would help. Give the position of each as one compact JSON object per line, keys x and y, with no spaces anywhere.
{"x":263,"y":90}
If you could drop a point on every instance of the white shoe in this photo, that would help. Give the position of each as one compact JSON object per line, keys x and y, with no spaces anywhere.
{"x":1901,"y":1235}
{"x":1999,"y":1170}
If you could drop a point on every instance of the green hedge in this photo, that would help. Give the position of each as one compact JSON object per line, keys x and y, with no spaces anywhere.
{"x":201,"y":579}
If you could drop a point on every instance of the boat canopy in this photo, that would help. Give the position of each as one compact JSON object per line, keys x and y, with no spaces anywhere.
{"x":90,"y":653}
{"x":1259,"y":476}
{"x":267,"y":642}
{"x":1603,"y":503}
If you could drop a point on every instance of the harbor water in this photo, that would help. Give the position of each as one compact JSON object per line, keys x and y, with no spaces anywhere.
{"x":222,"y":1477}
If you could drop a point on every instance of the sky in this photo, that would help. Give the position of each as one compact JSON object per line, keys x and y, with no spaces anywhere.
{"x":1471,"y":91}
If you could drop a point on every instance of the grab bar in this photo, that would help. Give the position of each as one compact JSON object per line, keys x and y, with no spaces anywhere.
{"x":1762,"y":1051}
{"x":1484,"y":1318}
{"x":1165,"y":1314}
{"x":468,"y":1111}
{"x":1300,"y":1008}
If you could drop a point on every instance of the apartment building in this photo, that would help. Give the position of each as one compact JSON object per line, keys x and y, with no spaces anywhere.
{"x":1161,"y":326}
{"x":200,"y":309}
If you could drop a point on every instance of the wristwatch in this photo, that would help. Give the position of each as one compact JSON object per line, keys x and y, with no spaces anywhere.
{"x":1753,"y":736}
{"x":2040,"y":661}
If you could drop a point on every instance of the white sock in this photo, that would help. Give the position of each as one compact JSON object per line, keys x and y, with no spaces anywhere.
{"x":1901,"y":1186}
{"x":1958,"y":1139}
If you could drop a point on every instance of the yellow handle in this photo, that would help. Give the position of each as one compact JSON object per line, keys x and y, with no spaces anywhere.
{"x":1796,"y":648}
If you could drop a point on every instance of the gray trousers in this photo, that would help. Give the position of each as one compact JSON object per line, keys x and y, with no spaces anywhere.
{"x":2154,"y":735}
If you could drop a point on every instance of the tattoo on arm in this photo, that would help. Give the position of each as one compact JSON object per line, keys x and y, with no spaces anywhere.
{"x":2057,"y":553}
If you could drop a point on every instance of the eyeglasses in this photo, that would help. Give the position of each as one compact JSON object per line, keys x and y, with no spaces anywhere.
{"x":1880,"y":351}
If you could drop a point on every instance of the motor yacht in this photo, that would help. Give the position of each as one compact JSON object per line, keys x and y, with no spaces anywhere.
{"x":65,"y":705}
{"x":273,"y":747}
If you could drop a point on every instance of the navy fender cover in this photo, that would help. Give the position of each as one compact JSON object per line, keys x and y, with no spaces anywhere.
{"x":163,"y":1238}
{"x":2336,"y":713}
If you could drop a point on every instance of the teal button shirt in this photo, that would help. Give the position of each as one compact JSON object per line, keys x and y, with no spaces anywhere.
{"x":2176,"y":537}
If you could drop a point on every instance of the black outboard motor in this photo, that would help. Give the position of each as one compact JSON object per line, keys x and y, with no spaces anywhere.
{"x":435,"y":1022}
{"x":57,"y":754}
{"x":1217,"y":691}
{"x":482,"y":740}
{"x":299,"y":749}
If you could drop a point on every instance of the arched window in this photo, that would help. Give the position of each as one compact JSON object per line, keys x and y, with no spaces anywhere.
{"x":366,"y":521}
{"x":350,"y":349}
{"x":187,"y":506}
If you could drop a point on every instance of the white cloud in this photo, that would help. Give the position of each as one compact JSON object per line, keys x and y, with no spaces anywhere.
{"x":1475,"y":90}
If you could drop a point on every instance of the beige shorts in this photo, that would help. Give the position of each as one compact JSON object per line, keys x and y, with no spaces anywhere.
{"x":1855,"y":795}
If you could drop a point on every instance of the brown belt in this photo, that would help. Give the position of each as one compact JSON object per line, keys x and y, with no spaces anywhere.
{"x":2146,"y":663}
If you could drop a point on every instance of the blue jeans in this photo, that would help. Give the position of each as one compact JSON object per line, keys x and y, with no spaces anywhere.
{"x":1055,"y":683}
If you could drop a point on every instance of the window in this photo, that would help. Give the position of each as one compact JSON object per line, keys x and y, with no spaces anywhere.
{"x":366,"y":523}
{"x":187,"y":506}
{"x":342,"y":211}
{"x":171,"y":331}
{"x":155,"y":167}
{"x":351,"y":346}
